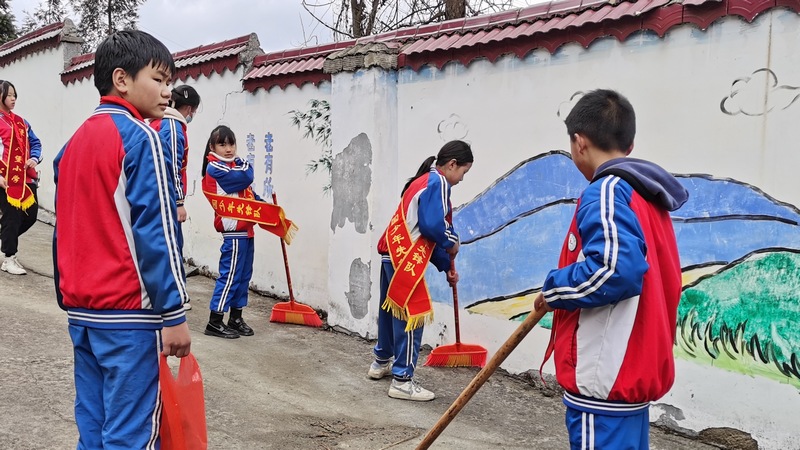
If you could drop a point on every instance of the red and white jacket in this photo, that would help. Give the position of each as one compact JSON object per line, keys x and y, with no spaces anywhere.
{"x":616,"y":291}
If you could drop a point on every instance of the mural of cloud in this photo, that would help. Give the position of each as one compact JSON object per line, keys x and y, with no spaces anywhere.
{"x":452,"y":128}
{"x":758,"y":94}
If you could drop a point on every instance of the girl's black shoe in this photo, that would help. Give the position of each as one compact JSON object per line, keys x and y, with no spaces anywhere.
{"x":240,"y":327}
{"x":219,"y":329}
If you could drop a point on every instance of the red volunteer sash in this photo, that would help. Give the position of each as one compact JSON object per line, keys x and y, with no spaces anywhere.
{"x":408,"y":297}
{"x":268,"y":216}
{"x":13,"y":169}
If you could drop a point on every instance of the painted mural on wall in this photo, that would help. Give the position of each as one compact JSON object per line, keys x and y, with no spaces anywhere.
{"x":749,"y":97}
{"x":316,"y":124}
{"x":739,"y":248}
{"x":740,"y":253}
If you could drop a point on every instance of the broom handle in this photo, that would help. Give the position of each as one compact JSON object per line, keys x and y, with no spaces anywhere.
{"x":455,"y":302}
{"x":481,"y":377}
{"x":285,"y":257}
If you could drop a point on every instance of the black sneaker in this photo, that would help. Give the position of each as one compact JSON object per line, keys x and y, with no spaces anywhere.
{"x":221,"y":330}
{"x":240,"y":327}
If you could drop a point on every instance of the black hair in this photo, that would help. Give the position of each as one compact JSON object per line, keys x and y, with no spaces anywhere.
{"x":5,"y":87}
{"x":185,"y":95}
{"x":129,"y":50}
{"x":458,"y":150}
{"x":220,"y":135}
{"x":606,"y":118}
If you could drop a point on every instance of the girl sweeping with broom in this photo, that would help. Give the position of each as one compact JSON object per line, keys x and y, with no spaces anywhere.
{"x":237,"y":209}
{"x":421,"y":231}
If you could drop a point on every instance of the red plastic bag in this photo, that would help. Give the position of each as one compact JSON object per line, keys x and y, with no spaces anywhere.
{"x":183,"y":414}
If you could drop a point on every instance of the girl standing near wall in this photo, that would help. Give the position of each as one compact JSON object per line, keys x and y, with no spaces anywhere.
{"x":226,"y":178}
{"x":172,"y":130}
{"x":421,"y":231}
{"x":20,"y":153}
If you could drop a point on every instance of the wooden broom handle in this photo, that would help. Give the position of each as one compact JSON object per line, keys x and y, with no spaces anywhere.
{"x":455,"y":303}
{"x":476,"y":383}
{"x":285,"y":256}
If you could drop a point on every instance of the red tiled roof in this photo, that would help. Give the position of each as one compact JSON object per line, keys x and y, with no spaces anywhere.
{"x":37,"y":40}
{"x":297,"y":66}
{"x":518,"y":32}
{"x":205,"y":59}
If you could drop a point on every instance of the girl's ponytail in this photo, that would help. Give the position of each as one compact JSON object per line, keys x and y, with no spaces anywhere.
{"x":423,"y":169}
{"x":185,"y":95}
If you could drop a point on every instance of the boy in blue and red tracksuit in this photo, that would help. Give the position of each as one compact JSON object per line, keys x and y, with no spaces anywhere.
{"x":225,"y":174}
{"x":616,"y":291}
{"x":117,"y":265}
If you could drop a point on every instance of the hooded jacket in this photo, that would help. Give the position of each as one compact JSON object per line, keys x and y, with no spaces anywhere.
{"x":616,"y":291}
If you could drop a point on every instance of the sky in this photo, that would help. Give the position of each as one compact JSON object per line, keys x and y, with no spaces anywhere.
{"x":185,"y":24}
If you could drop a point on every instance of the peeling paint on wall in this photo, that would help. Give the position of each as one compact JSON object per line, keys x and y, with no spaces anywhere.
{"x":351,"y":176}
{"x":360,"y":285}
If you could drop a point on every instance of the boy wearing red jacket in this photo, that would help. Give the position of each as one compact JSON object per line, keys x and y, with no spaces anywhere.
{"x":117,"y":262}
{"x":616,"y":292}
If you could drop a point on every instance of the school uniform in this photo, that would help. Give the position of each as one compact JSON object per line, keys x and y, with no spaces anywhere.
{"x":615,"y":297}
{"x":172,"y":131}
{"x":427,"y":214}
{"x":117,"y":272}
{"x":17,"y":215}
{"x":231,"y":178}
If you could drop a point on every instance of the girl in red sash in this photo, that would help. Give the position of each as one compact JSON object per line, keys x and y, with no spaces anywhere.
{"x":226,"y":184}
{"x":421,"y":231}
{"x":20,"y":153}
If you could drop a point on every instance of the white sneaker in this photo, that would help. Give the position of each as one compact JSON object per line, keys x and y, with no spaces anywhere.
{"x":410,"y":390}
{"x":378,"y":371}
{"x":12,"y":266}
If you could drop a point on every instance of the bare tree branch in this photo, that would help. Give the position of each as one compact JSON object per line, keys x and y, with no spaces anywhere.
{"x":357,"y":18}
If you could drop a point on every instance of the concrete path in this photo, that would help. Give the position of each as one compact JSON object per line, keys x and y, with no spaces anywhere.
{"x":287,"y":387}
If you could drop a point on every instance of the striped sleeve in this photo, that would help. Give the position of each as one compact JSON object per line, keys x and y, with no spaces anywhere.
{"x":614,"y":251}
{"x":434,"y":207}
{"x":174,"y":141}
{"x":150,"y":191}
{"x":231,"y":179}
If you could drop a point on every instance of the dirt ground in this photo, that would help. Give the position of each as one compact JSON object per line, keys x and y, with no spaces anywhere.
{"x":287,"y":387}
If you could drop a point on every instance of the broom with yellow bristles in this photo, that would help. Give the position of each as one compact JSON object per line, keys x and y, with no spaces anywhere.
{"x":458,"y":354}
{"x":292,"y":311}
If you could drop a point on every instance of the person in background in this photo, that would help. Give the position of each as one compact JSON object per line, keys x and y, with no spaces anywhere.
{"x":20,"y":153}
{"x":227,"y":175}
{"x":172,"y":130}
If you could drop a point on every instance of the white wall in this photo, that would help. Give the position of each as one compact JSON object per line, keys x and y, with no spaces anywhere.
{"x":508,"y":111}
{"x":225,"y":103}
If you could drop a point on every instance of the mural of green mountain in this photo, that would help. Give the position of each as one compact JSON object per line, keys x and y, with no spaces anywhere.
{"x":745,"y":317}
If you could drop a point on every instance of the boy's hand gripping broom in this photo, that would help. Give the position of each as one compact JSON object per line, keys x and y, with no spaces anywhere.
{"x":458,"y":354}
{"x":476,"y":383}
{"x":291,"y":311}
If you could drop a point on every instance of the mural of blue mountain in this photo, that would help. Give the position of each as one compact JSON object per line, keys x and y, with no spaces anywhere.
{"x":512,"y":232}
{"x":533,"y":184}
{"x":711,"y":198}
{"x":724,"y":241}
